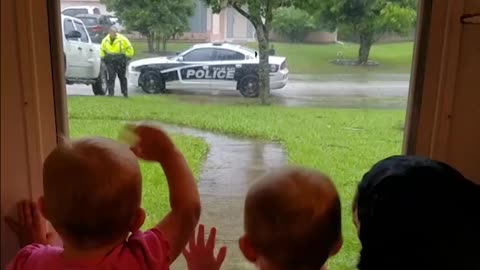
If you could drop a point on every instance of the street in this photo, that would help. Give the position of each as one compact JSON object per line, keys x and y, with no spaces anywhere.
{"x":382,"y":92}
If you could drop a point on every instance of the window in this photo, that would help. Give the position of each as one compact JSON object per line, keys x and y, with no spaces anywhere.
{"x":228,"y":55}
{"x":200,"y":55}
{"x":363,"y":105}
{"x":75,"y":11}
{"x":96,"y":11}
{"x":82,"y":30}
{"x":89,"y":21}
{"x":68,"y":26}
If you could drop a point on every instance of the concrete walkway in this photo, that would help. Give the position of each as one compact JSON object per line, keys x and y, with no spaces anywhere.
{"x":231,"y":166}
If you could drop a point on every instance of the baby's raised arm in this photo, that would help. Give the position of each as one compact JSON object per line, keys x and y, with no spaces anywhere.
{"x":179,"y":224}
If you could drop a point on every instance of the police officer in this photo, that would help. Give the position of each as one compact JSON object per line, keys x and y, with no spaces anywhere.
{"x":116,"y":50}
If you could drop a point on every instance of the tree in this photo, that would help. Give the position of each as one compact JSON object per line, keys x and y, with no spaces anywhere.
{"x":158,"y":20}
{"x":293,"y":23}
{"x":260,"y":14}
{"x":370,"y":19}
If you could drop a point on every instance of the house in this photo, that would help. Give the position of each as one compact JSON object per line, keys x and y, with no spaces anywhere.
{"x":205,"y":26}
{"x":94,"y":3}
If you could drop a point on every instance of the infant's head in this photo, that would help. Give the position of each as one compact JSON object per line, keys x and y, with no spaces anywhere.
{"x":92,"y":190}
{"x":292,"y":220}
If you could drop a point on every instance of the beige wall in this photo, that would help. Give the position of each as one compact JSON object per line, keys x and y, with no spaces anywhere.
{"x":321,"y":37}
{"x":27,"y":111}
{"x":318,"y":37}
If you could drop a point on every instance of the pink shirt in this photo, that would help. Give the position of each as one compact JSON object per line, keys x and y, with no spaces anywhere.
{"x":148,"y":250}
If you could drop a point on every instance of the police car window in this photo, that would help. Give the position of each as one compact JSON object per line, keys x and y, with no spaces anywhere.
{"x":228,"y":55}
{"x":81,"y":29}
{"x":199,"y":55}
{"x":68,"y":26}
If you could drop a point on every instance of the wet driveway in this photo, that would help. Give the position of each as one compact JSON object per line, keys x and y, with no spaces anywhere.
{"x":231,"y":166}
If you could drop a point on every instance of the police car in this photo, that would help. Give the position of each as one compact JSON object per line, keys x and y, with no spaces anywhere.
{"x":220,"y":66}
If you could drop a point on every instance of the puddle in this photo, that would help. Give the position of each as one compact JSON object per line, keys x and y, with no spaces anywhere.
{"x":230,"y":168}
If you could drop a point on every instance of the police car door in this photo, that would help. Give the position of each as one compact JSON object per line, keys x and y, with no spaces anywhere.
{"x":196,"y":74}
{"x":225,"y":67}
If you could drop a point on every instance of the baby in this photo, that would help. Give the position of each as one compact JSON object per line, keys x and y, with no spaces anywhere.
{"x":92,"y":196}
{"x":292,"y":221}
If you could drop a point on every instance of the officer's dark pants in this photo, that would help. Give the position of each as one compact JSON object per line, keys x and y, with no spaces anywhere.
{"x":116,"y":66}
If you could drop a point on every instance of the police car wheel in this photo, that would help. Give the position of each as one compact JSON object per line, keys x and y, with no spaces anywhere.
{"x":152,"y":83}
{"x":248,"y":86}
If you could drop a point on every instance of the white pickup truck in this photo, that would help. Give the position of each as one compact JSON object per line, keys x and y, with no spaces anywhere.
{"x":82,"y":57}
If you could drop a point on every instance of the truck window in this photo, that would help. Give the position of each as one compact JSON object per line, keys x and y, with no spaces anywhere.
{"x":68,"y":26}
{"x":75,"y":11}
{"x":81,"y":29}
{"x":96,"y":11}
{"x":89,"y":21}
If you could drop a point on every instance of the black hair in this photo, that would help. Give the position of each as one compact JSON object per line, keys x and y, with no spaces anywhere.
{"x":417,"y":213}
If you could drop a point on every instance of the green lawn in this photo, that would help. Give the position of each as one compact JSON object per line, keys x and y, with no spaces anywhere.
{"x":315,"y":58}
{"x":155,"y":190}
{"x":344,"y":143}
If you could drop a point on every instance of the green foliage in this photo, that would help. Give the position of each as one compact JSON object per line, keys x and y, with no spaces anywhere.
{"x":375,"y":16}
{"x":370,"y":19}
{"x":159,"y":20}
{"x":292,"y":23}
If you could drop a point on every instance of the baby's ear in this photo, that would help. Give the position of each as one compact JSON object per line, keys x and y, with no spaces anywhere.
{"x":247,"y":249}
{"x":138,"y":220}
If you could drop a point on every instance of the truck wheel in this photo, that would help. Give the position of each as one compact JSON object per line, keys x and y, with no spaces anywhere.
{"x":152,"y":83}
{"x":100,"y":86}
{"x":248,"y":86}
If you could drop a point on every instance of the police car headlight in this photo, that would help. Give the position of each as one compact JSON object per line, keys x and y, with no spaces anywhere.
{"x":273,"y":68}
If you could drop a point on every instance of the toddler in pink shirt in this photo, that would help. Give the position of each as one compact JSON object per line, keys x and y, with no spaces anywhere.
{"x":92,"y":196}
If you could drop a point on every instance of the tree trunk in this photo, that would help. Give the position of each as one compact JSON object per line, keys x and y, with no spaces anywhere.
{"x":366,"y":42}
{"x":164,"y":43}
{"x":158,"y":40}
{"x":150,"y":42}
{"x":264,"y":66}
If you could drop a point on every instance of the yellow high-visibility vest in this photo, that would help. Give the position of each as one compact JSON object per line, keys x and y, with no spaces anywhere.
{"x":121,"y":45}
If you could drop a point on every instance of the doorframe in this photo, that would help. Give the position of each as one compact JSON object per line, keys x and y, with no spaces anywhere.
{"x":58,"y":68}
{"x":431,"y":96}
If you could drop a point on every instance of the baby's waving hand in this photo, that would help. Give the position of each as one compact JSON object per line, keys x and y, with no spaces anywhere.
{"x":153,"y":144}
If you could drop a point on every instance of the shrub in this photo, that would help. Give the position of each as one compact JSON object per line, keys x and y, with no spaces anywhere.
{"x":292,"y":23}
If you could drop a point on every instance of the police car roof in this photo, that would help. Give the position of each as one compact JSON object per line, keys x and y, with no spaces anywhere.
{"x":217,"y":44}
{"x":234,"y":47}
